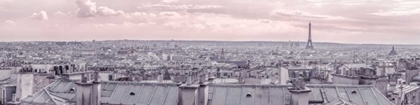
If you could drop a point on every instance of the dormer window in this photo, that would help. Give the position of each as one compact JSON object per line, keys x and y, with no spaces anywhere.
{"x":248,"y":95}
{"x":353,"y":92}
{"x":73,"y":89}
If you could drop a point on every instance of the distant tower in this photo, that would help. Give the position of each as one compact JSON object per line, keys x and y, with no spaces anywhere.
{"x":309,"y":45}
{"x":393,"y":52}
{"x":290,"y":45}
{"x":223,"y":52}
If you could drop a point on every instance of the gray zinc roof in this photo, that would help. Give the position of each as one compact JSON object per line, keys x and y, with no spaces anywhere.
{"x":139,"y":93}
{"x":62,"y":91}
{"x":280,"y":95}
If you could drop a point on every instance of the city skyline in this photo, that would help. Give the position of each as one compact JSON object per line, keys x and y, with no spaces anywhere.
{"x":390,"y":22}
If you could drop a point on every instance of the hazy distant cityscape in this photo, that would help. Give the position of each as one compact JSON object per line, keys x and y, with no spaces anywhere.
{"x":174,"y":72}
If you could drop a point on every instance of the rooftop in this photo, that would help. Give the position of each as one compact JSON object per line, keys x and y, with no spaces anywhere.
{"x":279,"y":95}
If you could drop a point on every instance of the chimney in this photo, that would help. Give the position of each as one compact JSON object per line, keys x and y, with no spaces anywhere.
{"x":24,"y":85}
{"x":392,"y":81}
{"x":283,"y":76}
{"x":88,"y":93}
{"x":84,"y":78}
{"x":60,"y":69}
{"x":73,"y":68}
{"x":56,"y":70}
{"x":96,"y":76}
{"x":160,"y":77}
{"x":67,"y":68}
{"x":14,"y":98}
{"x":189,"y":78}
{"x":248,"y":64}
{"x":203,"y":90}
{"x":211,"y":79}
{"x":299,"y":92}
{"x":202,"y":79}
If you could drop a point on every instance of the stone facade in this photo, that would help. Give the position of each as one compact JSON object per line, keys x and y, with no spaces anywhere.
{"x":40,"y":82}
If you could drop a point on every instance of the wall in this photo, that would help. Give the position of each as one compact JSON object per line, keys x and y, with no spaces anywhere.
{"x":88,"y":93}
{"x":188,"y":95}
{"x":382,"y":84}
{"x":5,"y":74}
{"x":344,"y":80}
{"x":8,"y":93}
{"x":42,"y":67}
{"x":40,"y":82}
{"x":252,"y":81}
{"x":24,"y":86}
{"x":315,"y":81}
{"x":300,"y":98}
{"x":76,"y":77}
{"x":283,"y":76}
{"x":409,"y":74}
{"x":83,"y":94}
{"x":103,"y":76}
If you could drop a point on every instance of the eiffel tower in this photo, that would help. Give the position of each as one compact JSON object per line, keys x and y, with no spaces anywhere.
{"x":309,"y":45}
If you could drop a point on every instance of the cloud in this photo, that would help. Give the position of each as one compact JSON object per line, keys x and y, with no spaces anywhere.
{"x":10,"y":23}
{"x":169,"y":14}
{"x":88,"y":9}
{"x":128,"y":24}
{"x":169,"y":1}
{"x":59,"y":14}
{"x":105,"y":11}
{"x":180,"y":7}
{"x":301,"y":14}
{"x":143,"y":14}
{"x":42,"y":15}
{"x":401,"y":8}
{"x":5,"y":1}
{"x":105,"y":25}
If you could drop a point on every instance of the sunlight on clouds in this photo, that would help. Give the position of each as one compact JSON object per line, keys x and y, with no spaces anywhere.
{"x":42,"y":15}
{"x":202,"y":19}
{"x":402,"y":8}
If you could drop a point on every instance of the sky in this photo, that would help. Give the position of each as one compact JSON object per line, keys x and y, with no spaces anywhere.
{"x":342,"y":21}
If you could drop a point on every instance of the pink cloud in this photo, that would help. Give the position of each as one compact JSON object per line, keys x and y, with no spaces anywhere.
{"x":42,"y":15}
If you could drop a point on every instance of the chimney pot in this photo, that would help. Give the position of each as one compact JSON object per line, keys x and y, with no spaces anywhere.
{"x":189,"y":77}
{"x":96,"y":76}
{"x":84,"y":78}
{"x":160,"y":78}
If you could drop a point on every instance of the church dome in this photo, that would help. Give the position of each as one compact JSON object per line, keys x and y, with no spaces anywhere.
{"x":393,"y":52}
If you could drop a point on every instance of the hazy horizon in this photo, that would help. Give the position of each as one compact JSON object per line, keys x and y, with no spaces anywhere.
{"x":253,"y":41}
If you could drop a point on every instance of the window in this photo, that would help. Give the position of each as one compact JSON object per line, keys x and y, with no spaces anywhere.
{"x":110,"y":77}
{"x":73,"y":89}
{"x":248,"y":95}
{"x":338,"y":71}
